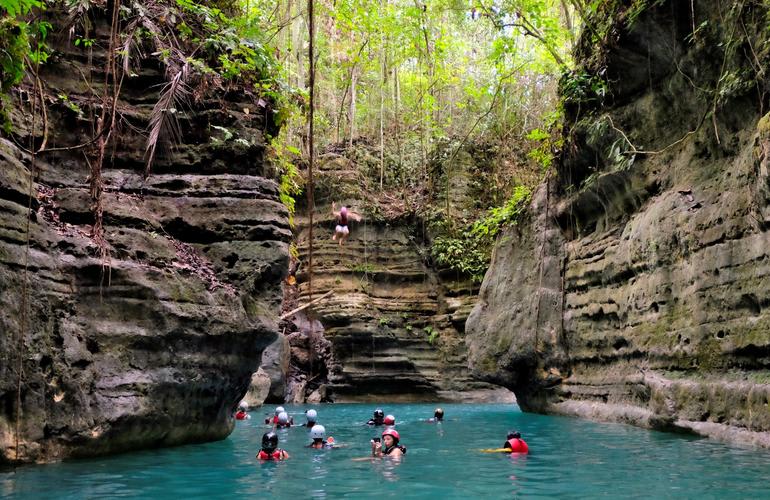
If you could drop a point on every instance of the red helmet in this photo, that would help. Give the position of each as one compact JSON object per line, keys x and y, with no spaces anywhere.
{"x":392,"y":433}
{"x":390,"y":420}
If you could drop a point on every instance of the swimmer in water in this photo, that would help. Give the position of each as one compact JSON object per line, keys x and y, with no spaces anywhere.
{"x":242,"y":414}
{"x":378,"y":418}
{"x":318,"y":434}
{"x":270,"y":450}
{"x":311,"y":415}
{"x":389,"y":446}
{"x":274,"y":418}
{"x":438,"y":416}
{"x":284,"y":422}
{"x":515,"y":443}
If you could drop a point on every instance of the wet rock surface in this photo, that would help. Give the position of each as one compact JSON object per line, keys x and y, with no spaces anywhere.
{"x":156,"y":343}
{"x":640,"y":294}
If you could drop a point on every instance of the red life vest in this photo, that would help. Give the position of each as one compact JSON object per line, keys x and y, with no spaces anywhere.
{"x":518,"y":445}
{"x":276,"y":455}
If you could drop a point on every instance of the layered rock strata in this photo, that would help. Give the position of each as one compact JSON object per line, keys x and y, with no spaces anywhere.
{"x":637,"y":291}
{"x":153,"y":338}
{"x":394,"y":323}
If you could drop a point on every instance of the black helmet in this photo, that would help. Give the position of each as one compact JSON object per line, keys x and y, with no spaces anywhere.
{"x":438,"y":413}
{"x":379,"y":413}
{"x":513,"y":435}
{"x":270,"y":441}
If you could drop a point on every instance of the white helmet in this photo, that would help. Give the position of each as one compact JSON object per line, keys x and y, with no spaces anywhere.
{"x":318,"y":432}
{"x":312,"y":415}
{"x":279,"y":410}
{"x":243,"y":405}
{"x":283,"y":417}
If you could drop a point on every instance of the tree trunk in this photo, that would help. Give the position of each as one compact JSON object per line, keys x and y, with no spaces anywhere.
{"x":352,"y":109}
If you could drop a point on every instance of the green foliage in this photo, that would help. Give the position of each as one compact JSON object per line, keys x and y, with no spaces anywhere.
{"x":383,"y":322}
{"x":19,"y":41}
{"x":86,"y":42}
{"x":581,"y":87}
{"x":65,"y":100}
{"x":445,"y":64}
{"x":497,"y":218}
{"x":363,"y":268}
{"x":547,"y":142}
{"x":469,"y":252}
{"x":461,"y":254}
{"x":432,"y":334}
{"x":283,"y":156}
{"x":15,"y":8}
{"x":231,"y":46}
{"x":14,"y":47}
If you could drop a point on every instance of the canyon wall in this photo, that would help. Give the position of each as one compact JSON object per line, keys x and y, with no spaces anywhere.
{"x":152,"y":338}
{"x":636,"y":289}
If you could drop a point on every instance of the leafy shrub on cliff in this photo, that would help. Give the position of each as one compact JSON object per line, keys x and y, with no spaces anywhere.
{"x":469,"y":252}
{"x":15,"y":47}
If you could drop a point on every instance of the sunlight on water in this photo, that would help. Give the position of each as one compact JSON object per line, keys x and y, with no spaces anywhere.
{"x":569,"y":458}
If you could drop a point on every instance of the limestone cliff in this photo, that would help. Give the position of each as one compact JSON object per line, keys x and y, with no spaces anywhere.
{"x":155,"y":343}
{"x":637,"y":289}
{"x":395,"y":324}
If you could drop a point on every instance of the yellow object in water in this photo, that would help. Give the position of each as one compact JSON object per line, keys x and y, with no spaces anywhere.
{"x":495,"y":450}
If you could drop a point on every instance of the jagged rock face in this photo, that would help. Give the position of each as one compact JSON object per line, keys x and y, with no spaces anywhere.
{"x":156,"y":344}
{"x":395,"y":325}
{"x":654,"y":277}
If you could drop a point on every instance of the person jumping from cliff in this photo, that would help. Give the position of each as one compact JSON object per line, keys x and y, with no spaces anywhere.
{"x":270,"y":450}
{"x":341,"y":232}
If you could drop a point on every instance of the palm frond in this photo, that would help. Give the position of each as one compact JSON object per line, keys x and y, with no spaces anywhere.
{"x":129,"y":43}
{"x":164,"y":121}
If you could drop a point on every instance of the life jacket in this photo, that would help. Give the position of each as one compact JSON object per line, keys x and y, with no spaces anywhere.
{"x":387,"y":451}
{"x":518,"y":445}
{"x":276,"y":455}
{"x":241,"y":415}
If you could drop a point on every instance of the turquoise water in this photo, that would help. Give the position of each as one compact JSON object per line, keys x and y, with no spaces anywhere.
{"x":569,"y":458}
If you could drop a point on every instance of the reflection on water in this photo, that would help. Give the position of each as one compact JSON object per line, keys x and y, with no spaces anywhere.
{"x":570,"y":459}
